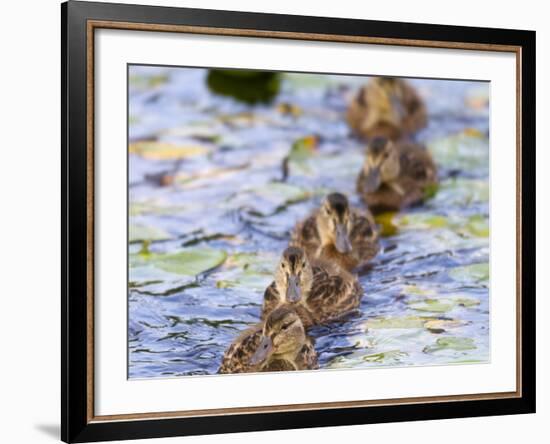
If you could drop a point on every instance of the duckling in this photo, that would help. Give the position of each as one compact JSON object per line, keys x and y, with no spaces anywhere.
{"x":338,"y":233}
{"x":395,"y":175}
{"x":279,"y":344}
{"x":388,"y":107}
{"x":318,"y":291}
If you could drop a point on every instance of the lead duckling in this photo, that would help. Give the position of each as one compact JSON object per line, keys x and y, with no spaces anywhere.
{"x":319,"y":292}
{"x":338,"y":233}
{"x":389,"y":107}
{"x":395,"y":175}
{"x":279,"y":344}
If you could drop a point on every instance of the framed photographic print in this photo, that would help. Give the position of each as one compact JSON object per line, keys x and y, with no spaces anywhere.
{"x":276,"y":221}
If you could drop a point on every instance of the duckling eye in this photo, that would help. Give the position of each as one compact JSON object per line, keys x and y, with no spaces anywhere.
{"x":284,"y":327}
{"x":283,"y":265}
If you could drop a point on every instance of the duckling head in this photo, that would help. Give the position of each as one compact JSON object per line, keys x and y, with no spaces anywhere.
{"x":333,"y":221}
{"x":294,"y":275}
{"x":283,"y":336}
{"x":381,"y":163}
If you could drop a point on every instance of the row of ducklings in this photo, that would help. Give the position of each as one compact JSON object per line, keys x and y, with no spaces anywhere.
{"x":313,"y":281}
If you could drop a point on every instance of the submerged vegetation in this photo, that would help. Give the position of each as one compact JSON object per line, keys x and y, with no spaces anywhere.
{"x":217,"y":181}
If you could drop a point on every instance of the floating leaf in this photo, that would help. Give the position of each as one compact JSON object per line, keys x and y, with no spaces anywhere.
{"x":422,"y":221}
{"x":465,"y":150}
{"x":390,"y":355}
{"x":290,"y":109}
{"x":303,"y":148}
{"x":248,"y":270}
{"x":137,"y":208}
{"x":471,"y":273}
{"x":273,"y":196}
{"x":387,"y":226}
{"x":146,"y":82}
{"x":451,"y":343}
{"x":154,"y":150}
{"x":441,"y":305}
{"x":461,"y":191}
{"x":250,"y":280}
{"x":394,"y":322}
{"x":246,"y":86}
{"x":189,"y":262}
{"x":139,"y":232}
{"x":442,"y":325}
{"x":478,"y":226}
{"x":432,"y":305}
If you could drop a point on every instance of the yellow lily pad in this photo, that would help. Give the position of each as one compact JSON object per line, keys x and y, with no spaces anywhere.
{"x":154,"y":150}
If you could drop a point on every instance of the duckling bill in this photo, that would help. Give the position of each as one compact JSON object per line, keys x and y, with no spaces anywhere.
{"x":388,"y":107}
{"x":338,"y":233}
{"x":395,"y":175}
{"x":280,"y":343}
{"x":317,"y":291}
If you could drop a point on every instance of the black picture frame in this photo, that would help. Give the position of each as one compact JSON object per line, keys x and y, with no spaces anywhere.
{"x":76,"y":328}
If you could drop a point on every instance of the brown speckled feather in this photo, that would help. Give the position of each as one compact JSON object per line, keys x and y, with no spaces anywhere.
{"x":306,"y":236}
{"x":333,"y":296}
{"x":271,"y":300}
{"x":334,"y":293}
{"x":236,"y":357}
{"x":418,"y":172}
{"x":363,"y":238}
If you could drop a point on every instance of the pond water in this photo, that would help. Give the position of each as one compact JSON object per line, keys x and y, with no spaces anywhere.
{"x":209,"y":216}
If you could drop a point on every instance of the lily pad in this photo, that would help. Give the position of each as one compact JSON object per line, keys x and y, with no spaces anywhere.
{"x":139,"y":232}
{"x":473,"y":273}
{"x":442,"y":305}
{"x":465,"y":150}
{"x":245,"y":86}
{"x":432,"y":305}
{"x":386,"y":224}
{"x":462,"y":191}
{"x":395,"y":322}
{"x":478,"y":226}
{"x":451,"y":343}
{"x":442,"y":325}
{"x":153,"y":150}
{"x":422,"y":221}
{"x":247,"y":270}
{"x":390,"y":355}
{"x":189,"y":262}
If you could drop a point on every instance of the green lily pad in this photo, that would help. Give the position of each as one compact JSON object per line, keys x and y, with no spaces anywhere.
{"x":139,"y":232}
{"x":281,"y":194}
{"x":441,"y":305}
{"x":395,"y":322}
{"x":146,"y":81}
{"x":432,"y":305}
{"x":478,"y":226}
{"x":451,"y":343}
{"x":461,"y":191}
{"x":245,"y":86}
{"x":189,"y":262}
{"x":386,"y":224}
{"x":474,"y":273}
{"x":390,"y":355}
{"x":154,"y":150}
{"x":422,"y":221}
{"x":247,"y":270}
{"x":468,"y":149}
